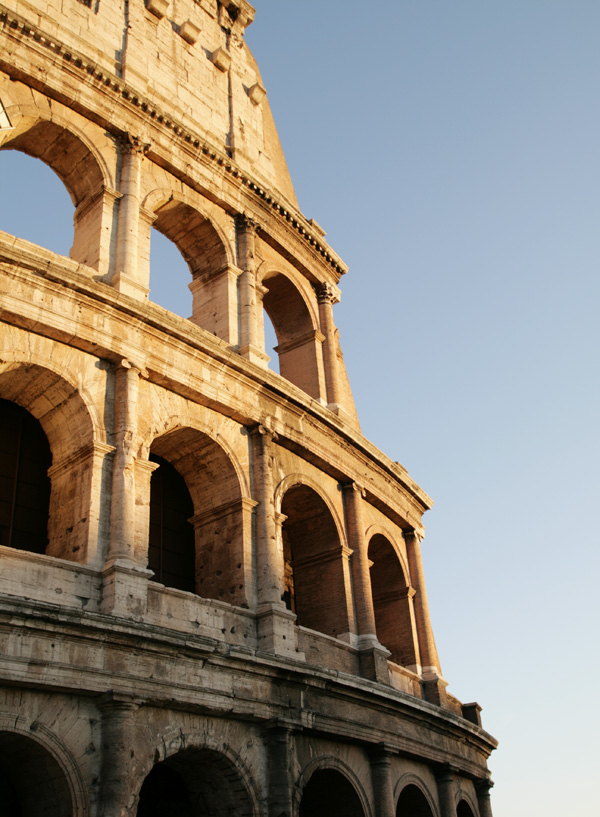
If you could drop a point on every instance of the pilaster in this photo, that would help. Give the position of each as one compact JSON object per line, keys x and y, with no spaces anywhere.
{"x":381,"y":777}
{"x":118,"y":711}
{"x":251,"y":347}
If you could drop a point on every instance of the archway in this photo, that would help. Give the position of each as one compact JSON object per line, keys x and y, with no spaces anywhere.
{"x":171,"y":551}
{"x":25,"y":458}
{"x":205,"y":498}
{"x":329,"y":793}
{"x":315,"y":586}
{"x":32,"y":782}
{"x":79,"y":168}
{"x":66,"y":423}
{"x":195,"y":783}
{"x":27,"y":216}
{"x":298,"y":345}
{"x":394,"y":619}
{"x":464,"y":809}
{"x":413,"y":803}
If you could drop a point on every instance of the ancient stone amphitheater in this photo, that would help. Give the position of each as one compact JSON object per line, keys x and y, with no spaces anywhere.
{"x":211,"y":599}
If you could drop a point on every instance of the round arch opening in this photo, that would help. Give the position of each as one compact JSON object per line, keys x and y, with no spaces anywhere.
{"x":32,"y":781}
{"x":197,"y":517}
{"x":464,"y":809}
{"x":329,"y":793}
{"x":314,"y":582}
{"x":195,"y":783}
{"x":413,"y":803}
{"x":394,"y":619}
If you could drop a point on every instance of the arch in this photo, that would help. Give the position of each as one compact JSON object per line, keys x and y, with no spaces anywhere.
{"x":392,"y":538}
{"x":328,"y":787}
{"x":220,"y":514}
{"x":62,"y":146}
{"x":465,"y":806}
{"x":291,"y":311}
{"x":25,"y":458}
{"x":33,"y":760}
{"x":63,"y":416}
{"x":316,"y":570}
{"x":57,"y":142}
{"x":197,"y":777}
{"x":392,"y":602}
{"x":414,"y":799}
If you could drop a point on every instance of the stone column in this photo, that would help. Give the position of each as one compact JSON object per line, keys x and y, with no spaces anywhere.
{"x":276,"y":632}
{"x":127,"y":278}
{"x":484,"y":802}
{"x":278,"y":739}
{"x":327,"y":295}
{"x":118,"y":712}
{"x":381,"y":776}
{"x":434,"y":686}
{"x":373,"y":656}
{"x":445,"y":785}
{"x":251,"y":347}
{"x":124,"y":590}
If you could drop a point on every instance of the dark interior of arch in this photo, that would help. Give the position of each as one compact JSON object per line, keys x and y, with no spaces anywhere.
{"x":329,"y":794}
{"x":315,"y":588}
{"x":32,"y":783}
{"x":24,"y":484}
{"x":413,"y":803}
{"x":171,"y":552}
{"x":464,"y":809}
{"x":390,"y":602}
{"x":194,"y":783}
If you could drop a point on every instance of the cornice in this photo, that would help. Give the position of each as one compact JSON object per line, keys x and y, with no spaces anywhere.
{"x":85,"y":69}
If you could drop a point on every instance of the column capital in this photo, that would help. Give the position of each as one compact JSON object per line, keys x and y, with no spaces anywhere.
{"x":327,"y":293}
{"x":247,"y":223}
{"x":263,"y":430}
{"x":136,"y":368}
{"x":132,"y":145}
{"x":408,"y":533}
{"x":112,"y":701}
{"x":482,"y":787}
{"x":354,"y":486}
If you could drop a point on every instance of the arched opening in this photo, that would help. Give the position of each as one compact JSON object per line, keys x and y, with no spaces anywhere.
{"x":314,"y":575}
{"x":413,"y":803}
{"x":25,"y":458}
{"x":270,"y":342}
{"x":394,"y":618}
{"x":171,"y":551}
{"x":169,"y":276}
{"x":205,"y":498}
{"x":32,"y":782}
{"x":66,"y":425}
{"x":195,"y":783}
{"x":203,"y":251}
{"x":77,"y":167}
{"x":464,"y":809}
{"x":35,"y":204}
{"x":298,"y":341}
{"x":329,"y":794}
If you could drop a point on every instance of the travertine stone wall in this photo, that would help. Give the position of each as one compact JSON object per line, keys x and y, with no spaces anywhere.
{"x":303,"y":660}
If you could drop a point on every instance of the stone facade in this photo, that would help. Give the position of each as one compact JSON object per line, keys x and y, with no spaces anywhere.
{"x":212,"y":600}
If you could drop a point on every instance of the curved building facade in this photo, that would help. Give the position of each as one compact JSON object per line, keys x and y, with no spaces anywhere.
{"x":212,"y":599}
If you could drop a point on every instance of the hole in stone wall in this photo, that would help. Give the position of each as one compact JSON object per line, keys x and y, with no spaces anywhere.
{"x":169,"y":276}
{"x":34,"y":203}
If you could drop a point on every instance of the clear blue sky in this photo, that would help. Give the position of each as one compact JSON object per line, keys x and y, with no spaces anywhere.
{"x":450,"y":150}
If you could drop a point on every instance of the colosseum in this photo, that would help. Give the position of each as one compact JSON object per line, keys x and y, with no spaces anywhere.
{"x":212,"y":599}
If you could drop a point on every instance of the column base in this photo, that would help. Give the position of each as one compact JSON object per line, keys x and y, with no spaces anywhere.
{"x":125,"y":589}
{"x":373,"y":660}
{"x":123,"y":283}
{"x":276,"y":630}
{"x":254,"y":355}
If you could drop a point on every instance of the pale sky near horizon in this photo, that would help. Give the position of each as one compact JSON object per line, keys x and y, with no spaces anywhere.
{"x":450,"y":151}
